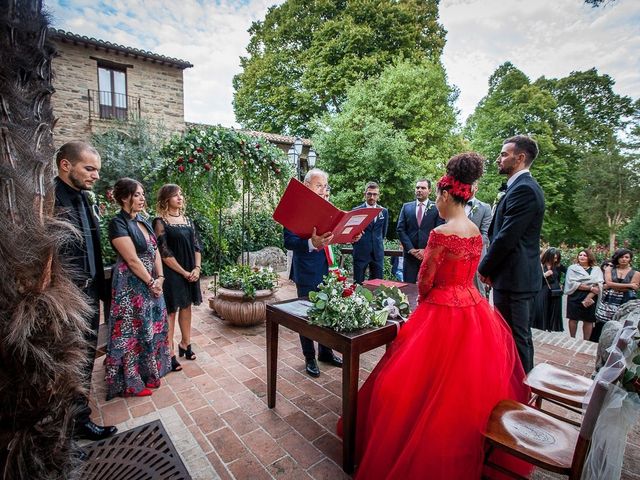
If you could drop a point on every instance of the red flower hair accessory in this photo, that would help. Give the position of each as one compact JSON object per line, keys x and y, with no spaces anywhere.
{"x":455,"y":187}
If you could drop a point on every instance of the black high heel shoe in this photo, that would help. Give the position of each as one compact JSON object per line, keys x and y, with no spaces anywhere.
{"x":186,"y":352}
{"x":175,"y":365}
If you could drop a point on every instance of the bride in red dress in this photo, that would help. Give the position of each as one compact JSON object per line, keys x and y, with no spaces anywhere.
{"x":422,"y":410}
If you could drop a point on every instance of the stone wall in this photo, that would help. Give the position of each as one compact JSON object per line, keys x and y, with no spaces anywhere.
{"x":159,"y":87}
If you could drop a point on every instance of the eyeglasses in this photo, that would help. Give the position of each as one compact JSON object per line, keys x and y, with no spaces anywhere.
{"x":371,"y":194}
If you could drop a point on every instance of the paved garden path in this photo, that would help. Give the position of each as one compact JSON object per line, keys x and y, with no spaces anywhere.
{"x":216,"y":414}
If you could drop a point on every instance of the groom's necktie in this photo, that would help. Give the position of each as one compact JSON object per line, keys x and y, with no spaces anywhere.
{"x":419,"y":213}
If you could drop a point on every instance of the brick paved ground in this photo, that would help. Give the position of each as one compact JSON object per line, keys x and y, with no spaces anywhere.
{"x":216,"y":414}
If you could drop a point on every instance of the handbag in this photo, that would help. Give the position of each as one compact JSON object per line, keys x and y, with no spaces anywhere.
{"x":554,"y":292}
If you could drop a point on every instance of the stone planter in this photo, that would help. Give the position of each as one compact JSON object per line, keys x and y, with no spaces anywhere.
{"x":233,"y":307}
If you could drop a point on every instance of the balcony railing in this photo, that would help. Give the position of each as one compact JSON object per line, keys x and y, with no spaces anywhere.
{"x":113,"y":106}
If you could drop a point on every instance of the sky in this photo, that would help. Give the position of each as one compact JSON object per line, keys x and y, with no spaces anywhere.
{"x":548,"y":38}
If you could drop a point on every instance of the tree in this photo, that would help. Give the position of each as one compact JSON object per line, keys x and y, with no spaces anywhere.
{"x":129,"y":149}
{"x":304,"y":55}
{"x":591,"y":115}
{"x":630,"y":234}
{"x":360,"y":149}
{"x":393,"y":128}
{"x":514,"y":106}
{"x":573,"y":118}
{"x":609,"y":193}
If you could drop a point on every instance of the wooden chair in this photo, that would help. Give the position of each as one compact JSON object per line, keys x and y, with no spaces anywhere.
{"x":561,"y":387}
{"x":542,"y":440}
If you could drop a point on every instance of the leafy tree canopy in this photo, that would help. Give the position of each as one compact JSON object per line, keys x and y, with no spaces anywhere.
{"x":578,"y":121}
{"x":515,"y":106}
{"x":609,"y":193}
{"x":392,"y":129}
{"x":305,"y":54}
{"x":129,"y":149}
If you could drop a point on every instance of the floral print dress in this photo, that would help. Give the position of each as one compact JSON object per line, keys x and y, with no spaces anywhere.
{"x":138,"y":350}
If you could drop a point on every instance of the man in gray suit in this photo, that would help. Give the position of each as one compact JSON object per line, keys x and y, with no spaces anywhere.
{"x":480,"y":214}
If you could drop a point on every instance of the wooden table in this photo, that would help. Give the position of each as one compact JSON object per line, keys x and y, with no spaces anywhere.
{"x":292,"y":314}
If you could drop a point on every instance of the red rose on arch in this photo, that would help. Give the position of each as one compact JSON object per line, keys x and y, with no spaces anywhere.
{"x":207,"y":167}
{"x":181,"y":168}
{"x":199,"y":150}
{"x":191,"y":160}
{"x":180,"y":159}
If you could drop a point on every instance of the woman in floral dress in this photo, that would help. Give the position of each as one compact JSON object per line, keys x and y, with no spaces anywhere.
{"x":138,"y":351}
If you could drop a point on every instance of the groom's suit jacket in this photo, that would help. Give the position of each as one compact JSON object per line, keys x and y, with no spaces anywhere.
{"x":512,"y":261}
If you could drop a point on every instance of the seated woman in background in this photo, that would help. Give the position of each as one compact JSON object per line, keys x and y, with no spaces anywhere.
{"x":138,"y":353}
{"x":180,"y":250}
{"x":548,"y":303}
{"x":583,"y":285}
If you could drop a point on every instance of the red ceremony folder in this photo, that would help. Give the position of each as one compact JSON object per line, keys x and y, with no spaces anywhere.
{"x":300,"y":209}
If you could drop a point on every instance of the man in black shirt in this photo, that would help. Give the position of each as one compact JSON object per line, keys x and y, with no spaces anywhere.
{"x":78,"y":169}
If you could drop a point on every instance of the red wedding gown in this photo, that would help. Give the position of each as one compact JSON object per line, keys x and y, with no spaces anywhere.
{"x":422,"y":410}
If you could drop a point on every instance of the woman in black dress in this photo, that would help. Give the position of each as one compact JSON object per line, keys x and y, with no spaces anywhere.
{"x":180,"y":250}
{"x":548,"y":304}
{"x":583,"y":286}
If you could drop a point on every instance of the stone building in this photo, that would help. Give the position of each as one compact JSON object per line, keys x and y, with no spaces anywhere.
{"x":98,"y":82}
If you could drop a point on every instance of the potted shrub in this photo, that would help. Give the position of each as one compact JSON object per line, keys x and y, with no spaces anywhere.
{"x":242,"y":293}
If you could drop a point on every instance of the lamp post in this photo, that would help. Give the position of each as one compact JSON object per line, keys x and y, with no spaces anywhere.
{"x":295,"y":157}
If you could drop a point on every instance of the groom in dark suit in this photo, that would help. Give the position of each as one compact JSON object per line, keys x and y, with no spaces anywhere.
{"x":512,"y":263}
{"x":415,"y":223}
{"x":369,"y":250}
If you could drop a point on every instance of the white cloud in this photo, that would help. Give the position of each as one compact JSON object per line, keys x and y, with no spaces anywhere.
{"x":545,"y":37}
{"x":542,"y":37}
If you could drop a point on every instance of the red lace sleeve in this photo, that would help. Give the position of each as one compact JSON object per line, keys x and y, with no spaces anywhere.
{"x":433,"y":257}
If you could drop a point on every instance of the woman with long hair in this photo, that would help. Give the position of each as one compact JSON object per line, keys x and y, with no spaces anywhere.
{"x":180,"y":250}
{"x":137,"y":353}
{"x":422,"y":411}
{"x":548,"y":303}
{"x":583,"y":287}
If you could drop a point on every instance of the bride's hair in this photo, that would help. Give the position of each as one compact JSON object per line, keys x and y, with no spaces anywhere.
{"x":462,"y":170}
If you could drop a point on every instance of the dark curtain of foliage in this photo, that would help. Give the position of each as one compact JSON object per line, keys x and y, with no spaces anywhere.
{"x":41,"y":312}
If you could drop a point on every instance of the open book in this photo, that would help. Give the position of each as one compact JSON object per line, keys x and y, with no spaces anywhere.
{"x":301,"y":209}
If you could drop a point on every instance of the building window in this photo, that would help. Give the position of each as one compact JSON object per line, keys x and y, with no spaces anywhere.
{"x":112,"y":85}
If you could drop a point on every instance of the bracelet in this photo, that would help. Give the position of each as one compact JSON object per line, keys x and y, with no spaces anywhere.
{"x":198,"y":267}
{"x":151,"y":282}
{"x":160,"y":276}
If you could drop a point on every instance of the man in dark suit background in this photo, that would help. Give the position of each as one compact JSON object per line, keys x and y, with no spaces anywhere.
{"x":480,"y":214}
{"x":415,"y":223}
{"x":369,"y":250}
{"x":308,"y":265}
{"x":512,"y":262}
{"x":78,"y":169}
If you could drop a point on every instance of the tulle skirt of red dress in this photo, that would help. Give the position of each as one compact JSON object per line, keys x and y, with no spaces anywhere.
{"x":422,"y":411}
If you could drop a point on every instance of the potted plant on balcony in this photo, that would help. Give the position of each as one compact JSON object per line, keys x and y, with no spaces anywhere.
{"x":242,"y":293}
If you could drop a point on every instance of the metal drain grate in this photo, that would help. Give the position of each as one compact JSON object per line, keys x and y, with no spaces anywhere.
{"x":142,"y":453}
